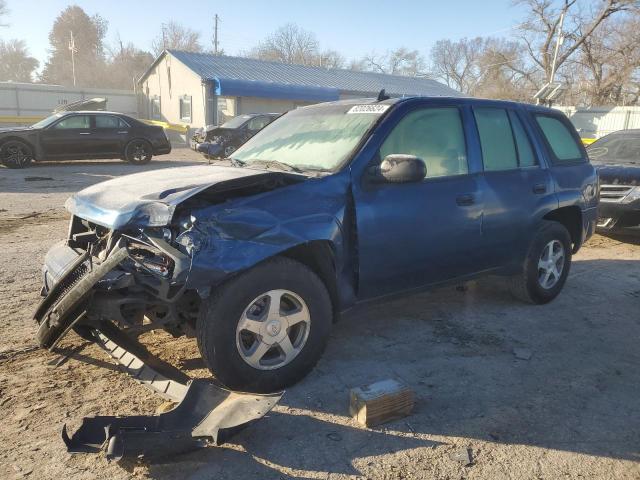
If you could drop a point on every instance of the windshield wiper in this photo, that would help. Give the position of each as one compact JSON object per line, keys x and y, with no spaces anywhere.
{"x":275,"y":163}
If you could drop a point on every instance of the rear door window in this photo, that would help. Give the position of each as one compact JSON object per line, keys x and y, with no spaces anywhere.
{"x":496,"y":138}
{"x":562,"y":143}
{"x":433,"y":134}
{"x":109,"y":121}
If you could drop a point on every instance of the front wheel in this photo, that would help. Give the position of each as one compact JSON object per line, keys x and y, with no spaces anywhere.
{"x":16,"y":154}
{"x":266,"y":328}
{"x":547,"y":265}
{"x":138,"y":152}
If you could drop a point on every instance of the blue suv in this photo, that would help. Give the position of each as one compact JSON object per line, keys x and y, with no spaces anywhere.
{"x":329,"y":206}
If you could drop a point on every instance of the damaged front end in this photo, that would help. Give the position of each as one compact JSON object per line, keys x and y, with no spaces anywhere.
{"x":102,"y":275}
{"x":110,"y":281}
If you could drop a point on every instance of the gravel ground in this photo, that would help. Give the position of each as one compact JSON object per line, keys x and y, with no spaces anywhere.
{"x":569,"y":411}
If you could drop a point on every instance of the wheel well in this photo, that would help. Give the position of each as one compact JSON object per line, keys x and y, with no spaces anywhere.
{"x":17,"y":139}
{"x":318,"y":256}
{"x":126,"y":145}
{"x":571,"y":218}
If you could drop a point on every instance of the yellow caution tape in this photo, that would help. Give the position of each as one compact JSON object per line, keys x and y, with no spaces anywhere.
{"x":168,"y":126}
{"x":588,"y":141}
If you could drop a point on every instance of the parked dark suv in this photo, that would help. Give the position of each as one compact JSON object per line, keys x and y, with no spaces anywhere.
{"x":329,"y":206}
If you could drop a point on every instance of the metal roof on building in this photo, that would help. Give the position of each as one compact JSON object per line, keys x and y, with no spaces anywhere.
{"x":240,"y":73}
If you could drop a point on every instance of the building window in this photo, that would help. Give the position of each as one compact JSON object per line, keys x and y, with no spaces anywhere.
{"x":185,"y":109}
{"x":156,"y":113}
{"x":227,"y":109}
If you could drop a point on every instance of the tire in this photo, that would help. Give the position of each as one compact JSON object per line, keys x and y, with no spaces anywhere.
{"x":138,"y":152}
{"x":536,"y":284}
{"x":226,"y":347}
{"x":16,"y":154}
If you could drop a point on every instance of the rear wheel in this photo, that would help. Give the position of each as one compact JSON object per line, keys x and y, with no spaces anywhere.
{"x":547,"y":265}
{"x":16,"y":154}
{"x":138,"y":152}
{"x":266,"y":328}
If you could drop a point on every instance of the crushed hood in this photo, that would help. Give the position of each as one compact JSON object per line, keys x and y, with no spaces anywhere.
{"x":150,"y":198}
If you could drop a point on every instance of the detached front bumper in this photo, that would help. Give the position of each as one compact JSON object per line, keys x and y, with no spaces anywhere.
{"x":209,"y":149}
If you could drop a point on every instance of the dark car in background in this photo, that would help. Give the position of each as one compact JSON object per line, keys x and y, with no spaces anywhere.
{"x":220,"y":142}
{"x":329,"y":206}
{"x":82,"y":135}
{"x":617,"y":159}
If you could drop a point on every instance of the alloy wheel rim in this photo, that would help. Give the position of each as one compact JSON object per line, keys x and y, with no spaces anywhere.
{"x":140,"y":152}
{"x":16,"y":155}
{"x":273,"y":329}
{"x":551,"y":264}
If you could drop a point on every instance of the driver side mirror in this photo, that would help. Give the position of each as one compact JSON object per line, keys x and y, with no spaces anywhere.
{"x":401,"y":168}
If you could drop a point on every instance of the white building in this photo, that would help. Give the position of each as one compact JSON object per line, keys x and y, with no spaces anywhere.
{"x":202,"y":89}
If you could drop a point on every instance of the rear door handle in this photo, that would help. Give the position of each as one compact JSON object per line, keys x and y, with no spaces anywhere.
{"x":540,"y":188}
{"x":85,"y":133}
{"x":123,"y":131}
{"x":465,"y":199}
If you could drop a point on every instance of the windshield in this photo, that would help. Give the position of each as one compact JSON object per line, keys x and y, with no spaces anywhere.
{"x":47,"y":121}
{"x":616,"y":149}
{"x":235,"y":122}
{"x":312,"y":138}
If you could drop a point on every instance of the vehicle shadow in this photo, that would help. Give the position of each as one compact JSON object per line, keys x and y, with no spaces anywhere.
{"x":485,"y":368}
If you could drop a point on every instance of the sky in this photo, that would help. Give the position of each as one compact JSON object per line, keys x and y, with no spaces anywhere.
{"x":352,"y":27}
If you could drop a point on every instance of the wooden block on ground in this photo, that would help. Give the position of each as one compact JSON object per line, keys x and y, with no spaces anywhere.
{"x":380,"y":402}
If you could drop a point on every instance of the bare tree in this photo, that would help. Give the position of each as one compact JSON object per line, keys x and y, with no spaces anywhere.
{"x":88,"y":33}
{"x":330,"y":59}
{"x":456,"y":63}
{"x":608,"y":63}
{"x":15,"y":62}
{"x":125,"y":64}
{"x":289,"y":44}
{"x":177,"y":37}
{"x":401,"y":61}
{"x":539,"y":31}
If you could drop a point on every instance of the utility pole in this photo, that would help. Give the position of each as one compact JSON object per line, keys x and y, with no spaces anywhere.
{"x":558,"y":43}
{"x":72,"y":47}
{"x":215,"y":34}
{"x":164,"y":37}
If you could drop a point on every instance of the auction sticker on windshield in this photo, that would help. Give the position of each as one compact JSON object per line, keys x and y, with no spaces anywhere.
{"x":368,"y":109}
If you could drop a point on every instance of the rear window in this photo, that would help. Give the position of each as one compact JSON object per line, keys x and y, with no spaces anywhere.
{"x":563,"y":145}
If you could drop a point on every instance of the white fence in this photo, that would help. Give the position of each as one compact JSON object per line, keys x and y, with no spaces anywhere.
{"x":33,"y":100}
{"x":596,"y":122}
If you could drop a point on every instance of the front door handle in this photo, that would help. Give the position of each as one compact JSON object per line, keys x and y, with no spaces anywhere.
{"x":465,"y":199}
{"x":123,"y":131}
{"x":540,"y":188}
{"x":85,"y":133}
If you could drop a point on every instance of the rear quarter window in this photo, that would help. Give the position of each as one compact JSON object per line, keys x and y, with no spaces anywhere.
{"x":561,"y":141}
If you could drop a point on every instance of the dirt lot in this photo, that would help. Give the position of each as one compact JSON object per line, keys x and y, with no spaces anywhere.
{"x":570,"y":411}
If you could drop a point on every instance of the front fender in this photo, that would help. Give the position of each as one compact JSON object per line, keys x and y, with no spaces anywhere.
{"x":238,"y":236}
